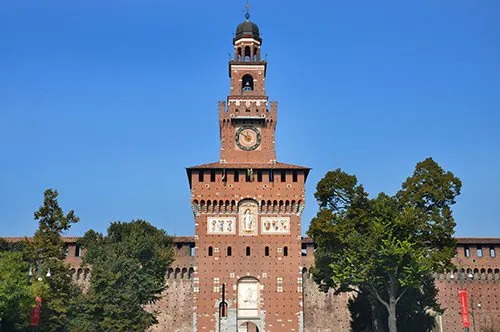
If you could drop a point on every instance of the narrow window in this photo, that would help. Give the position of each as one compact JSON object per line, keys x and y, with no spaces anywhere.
{"x":191,"y":250}
{"x":77,"y":251}
{"x":229,"y":251}
{"x":467,"y":252}
{"x":248,"y":251}
{"x":266,"y":251}
{"x":303,"y":252}
{"x":210,"y":251}
{"x":200,"y":176}
{"x":283,"y":176}
{"x":212,"y":176}
{"x":248,"y":177}
{"x":492,"y":252}
{"x":285,"y":251}
{"x":271,"y":175}
{"x":479,"y":252}
{"x":259,"y":176}
{"x":66,"y":251}
{"x":223,"y":309}
{"x":294,"y":176}
{"x":236,"y":176}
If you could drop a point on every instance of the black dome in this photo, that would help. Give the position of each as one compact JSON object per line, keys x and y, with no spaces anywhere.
{"x":247,"y":29}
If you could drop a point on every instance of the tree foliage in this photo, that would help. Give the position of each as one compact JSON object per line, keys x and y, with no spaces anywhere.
{"x":46,"y":251}
{"x":127,"y":272}
{"x":384,"y":246}
{"x":16,"y":295}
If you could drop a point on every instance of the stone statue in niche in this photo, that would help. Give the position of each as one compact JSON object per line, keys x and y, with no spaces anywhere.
{"x":248,"y":219}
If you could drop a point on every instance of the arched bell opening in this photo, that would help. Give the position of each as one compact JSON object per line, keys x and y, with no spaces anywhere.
{"x":247,"y":83}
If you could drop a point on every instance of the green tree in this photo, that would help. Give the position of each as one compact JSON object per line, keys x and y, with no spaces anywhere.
{"x":16,"y":295}
{"x":46,"y":252}
{"x":413,"y":315}
{"x":127,"y":272}
{"x":386,"y":246}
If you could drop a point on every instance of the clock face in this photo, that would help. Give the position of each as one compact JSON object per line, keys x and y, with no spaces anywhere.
{"x":247,"y":138}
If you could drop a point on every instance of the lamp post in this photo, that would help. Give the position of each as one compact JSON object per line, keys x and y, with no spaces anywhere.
{"x":36,"y":311}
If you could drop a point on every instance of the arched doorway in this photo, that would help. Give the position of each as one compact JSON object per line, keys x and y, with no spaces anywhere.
{"x":248,"y":304}
{"x":248,"y":327}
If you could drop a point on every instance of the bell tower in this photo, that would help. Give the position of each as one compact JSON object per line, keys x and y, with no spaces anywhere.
{"x":247,"y":123}
{"x":247,"y":209}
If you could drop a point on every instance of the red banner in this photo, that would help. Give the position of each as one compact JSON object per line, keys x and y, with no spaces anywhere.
{"x":464,"y":308}
{"x":35,"y":312}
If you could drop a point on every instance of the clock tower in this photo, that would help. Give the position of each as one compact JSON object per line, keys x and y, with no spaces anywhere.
{"x":247,"y":209}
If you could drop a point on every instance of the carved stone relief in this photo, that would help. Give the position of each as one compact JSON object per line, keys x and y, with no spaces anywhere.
{"x":221,"y":225}
{"x":275,"y":225}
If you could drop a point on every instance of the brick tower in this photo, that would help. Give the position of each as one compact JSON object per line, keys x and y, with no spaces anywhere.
{"x":247,"y":209}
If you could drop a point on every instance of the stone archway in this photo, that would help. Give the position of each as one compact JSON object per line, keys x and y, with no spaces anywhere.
{"x":248,"y":327}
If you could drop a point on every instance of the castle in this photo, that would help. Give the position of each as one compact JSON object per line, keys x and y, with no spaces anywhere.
{"x":247,"y":268}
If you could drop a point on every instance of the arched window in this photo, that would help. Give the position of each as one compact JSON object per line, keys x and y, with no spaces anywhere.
{"x":285,"y":251}
{"x":229,"y":251}
{"x":190,"y":273}
{"x":177,"y":272}
{"x":239,"y":53}
{"x":247,"y":83}
{"x":248,"y":251}
{"x":210,"y":251}
{"x":183,"y":273}
{"x":266,"y":251}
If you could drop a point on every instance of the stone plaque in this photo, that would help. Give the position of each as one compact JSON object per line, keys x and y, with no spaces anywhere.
{"x":221,"y":225}
{"x":248,"y":298}
{"x":275,"y":225}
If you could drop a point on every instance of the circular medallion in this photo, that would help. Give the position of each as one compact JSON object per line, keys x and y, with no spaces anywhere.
{"x":247,"y":138}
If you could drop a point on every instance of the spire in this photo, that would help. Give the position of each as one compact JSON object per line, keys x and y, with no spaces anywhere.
{"x":247,"y":8}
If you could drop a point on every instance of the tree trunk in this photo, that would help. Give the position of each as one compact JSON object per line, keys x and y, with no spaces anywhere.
{"x":375,"y":318}
{"x":392,"y":323}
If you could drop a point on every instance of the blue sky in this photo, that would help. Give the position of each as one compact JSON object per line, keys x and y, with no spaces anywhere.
{"x":109,"y":101}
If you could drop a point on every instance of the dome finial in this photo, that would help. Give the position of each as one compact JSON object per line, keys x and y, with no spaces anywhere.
{"x":247,"y":14}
